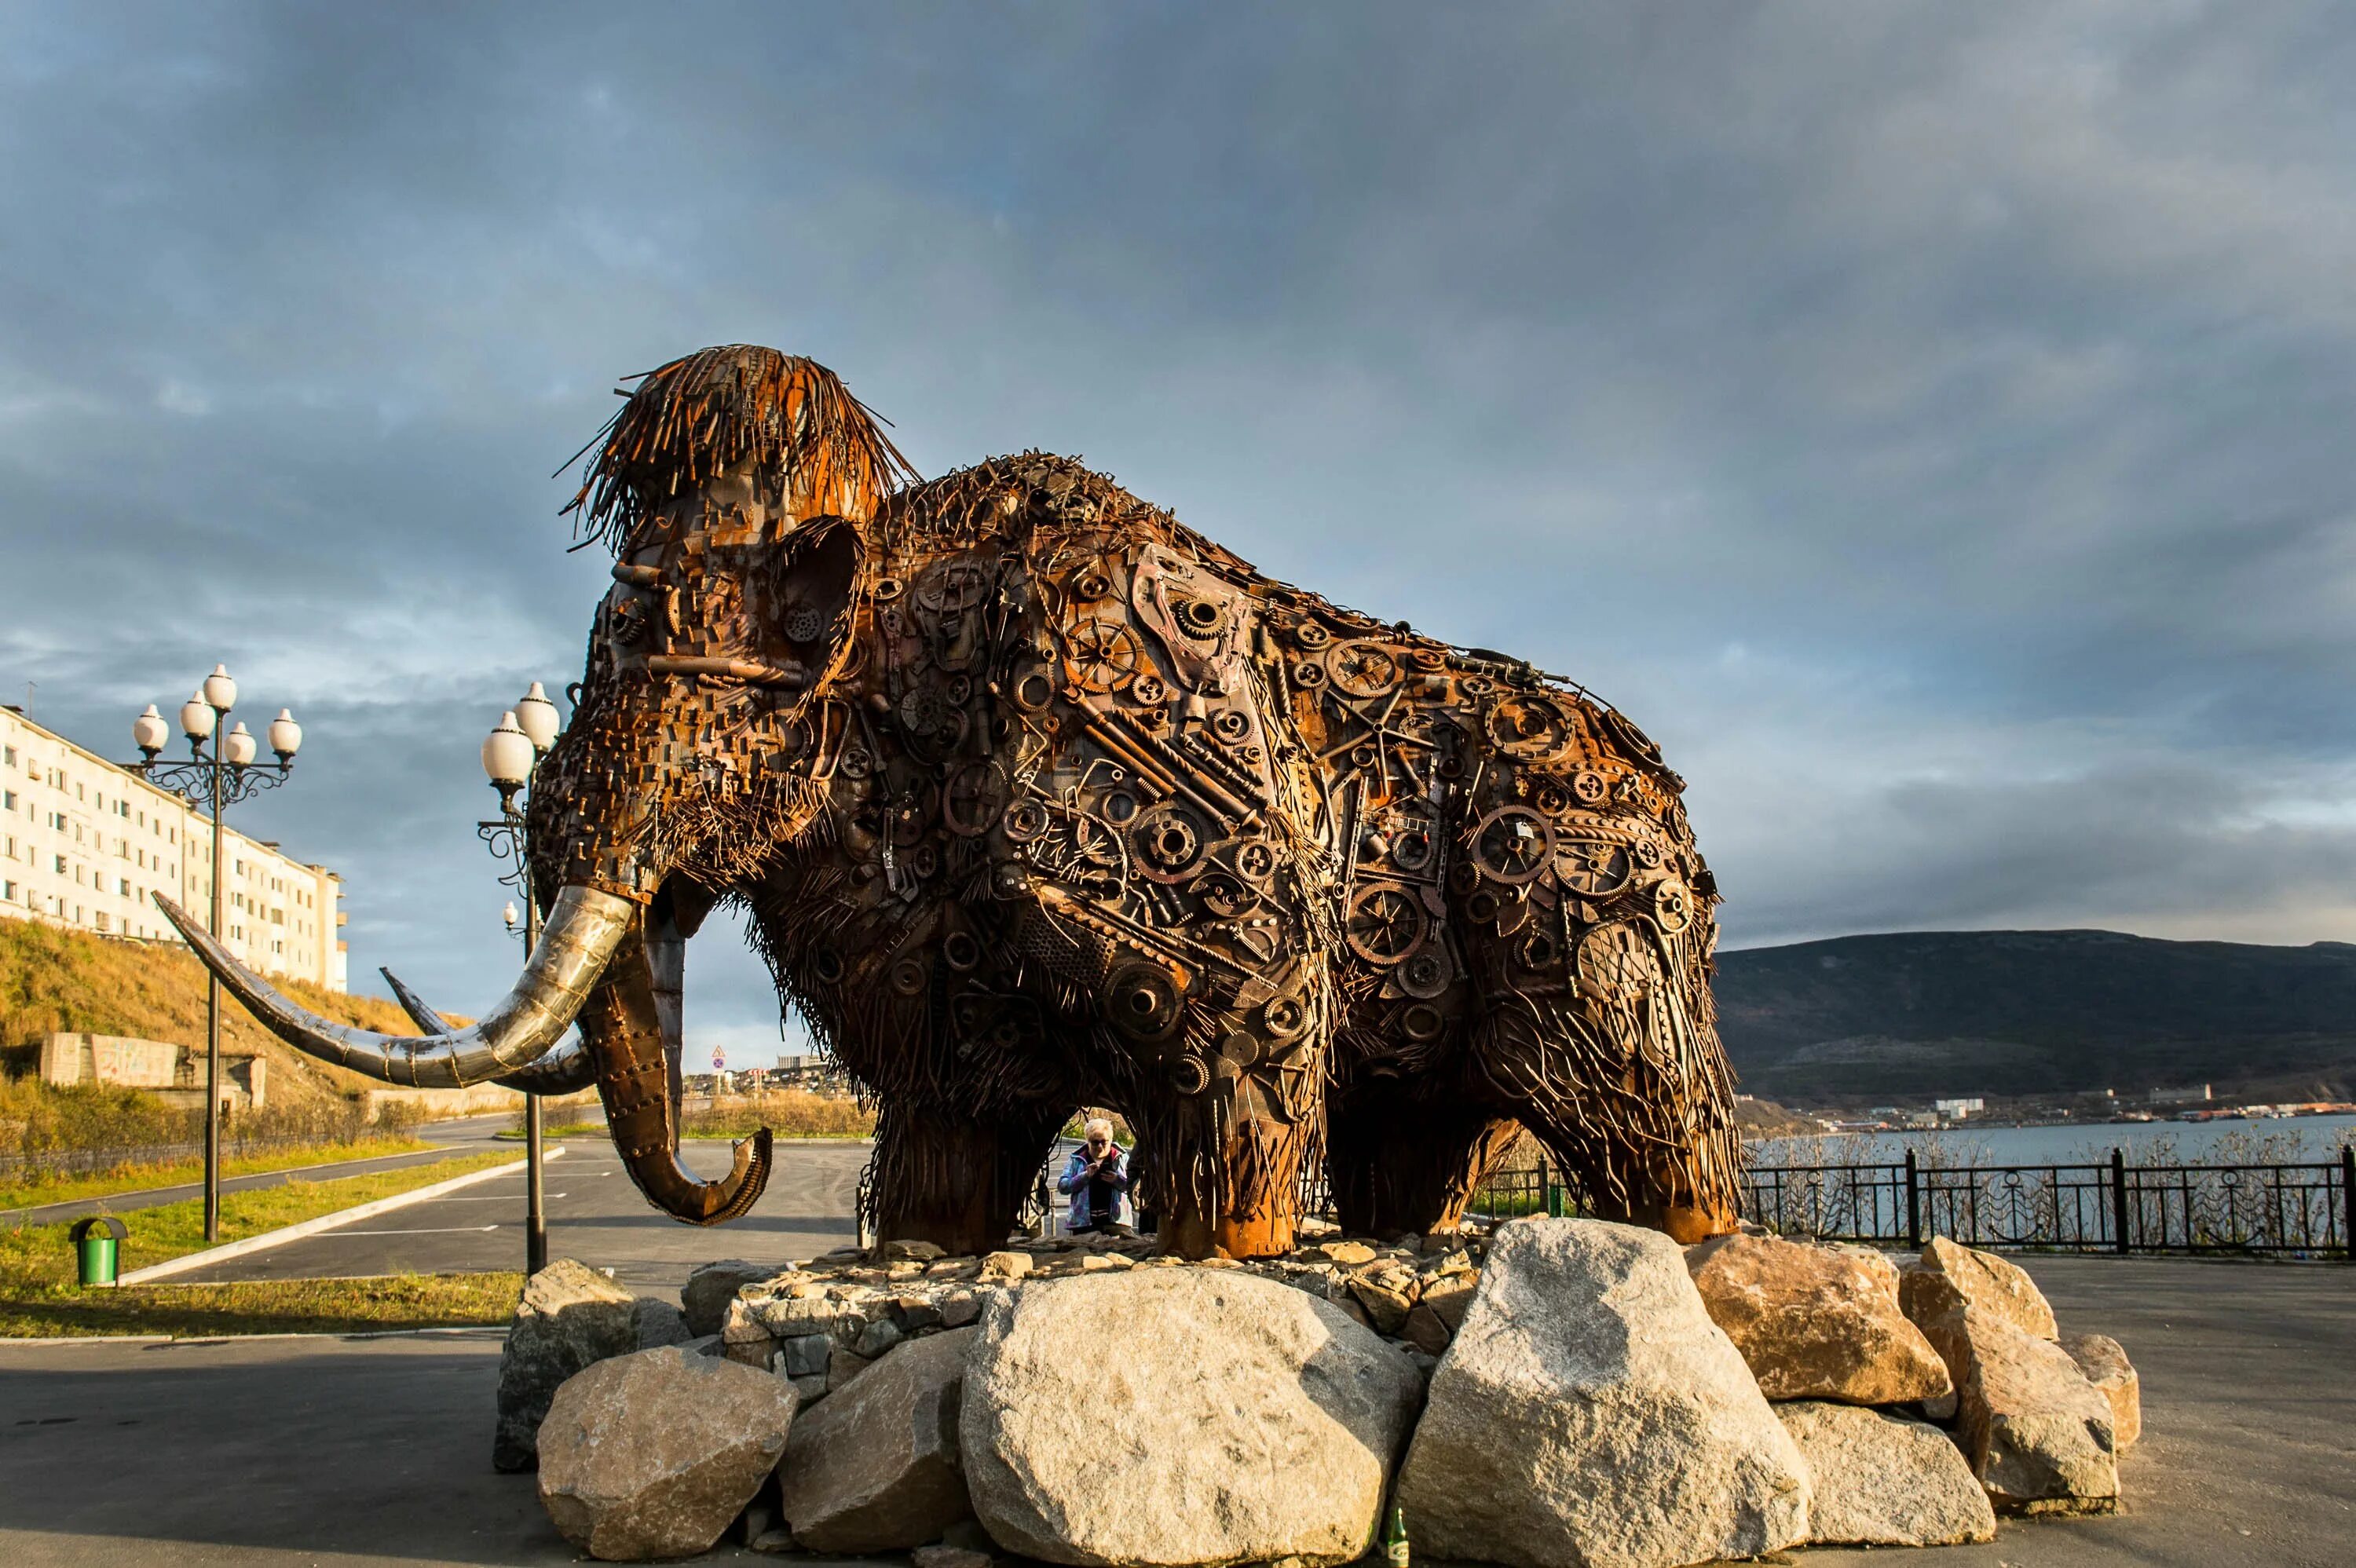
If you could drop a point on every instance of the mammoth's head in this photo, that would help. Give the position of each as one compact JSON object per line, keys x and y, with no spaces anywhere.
{"x":732,"y":489}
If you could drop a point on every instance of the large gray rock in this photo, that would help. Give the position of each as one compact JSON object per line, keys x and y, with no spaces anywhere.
{"x":876,"y":1469}
{"x":1999,"y":1289}
{"x":1881,"y":1482}
{"x":1589,"y":1414}
{"x":2038,"y":1436}
{"x":660,"y":1324}
{"x":1179,"y":1415}
{"x":1816,"y":1322}
{"x":705,"y":1296}
{"x":2105,"y":1362}
{"x":571,"y":1317}
{"x":654,"y":1454}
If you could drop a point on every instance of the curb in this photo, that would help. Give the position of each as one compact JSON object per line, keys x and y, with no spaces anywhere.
{"x":451,"y":1332}
{"x":295,"y":1233}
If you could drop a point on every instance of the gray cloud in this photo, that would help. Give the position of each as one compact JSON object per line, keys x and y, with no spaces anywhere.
{"x":1929,"y":422}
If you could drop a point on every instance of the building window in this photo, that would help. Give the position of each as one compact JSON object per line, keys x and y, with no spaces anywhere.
{"x":61,"y":864}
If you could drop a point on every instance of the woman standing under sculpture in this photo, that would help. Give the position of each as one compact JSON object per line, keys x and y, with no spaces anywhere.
{"x":1095,"y":1177}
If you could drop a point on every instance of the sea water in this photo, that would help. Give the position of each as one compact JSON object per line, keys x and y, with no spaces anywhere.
{"x":2279,"y":1140}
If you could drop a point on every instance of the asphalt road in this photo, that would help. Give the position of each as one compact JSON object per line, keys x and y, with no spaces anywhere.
{"x":595,"y":1214}
{"x":279,"y":1453}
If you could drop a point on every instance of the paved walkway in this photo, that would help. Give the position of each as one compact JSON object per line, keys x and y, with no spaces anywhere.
{"x":595,"y":1213}
{"x":280,"y":1453}
{"x":471,"y":1135}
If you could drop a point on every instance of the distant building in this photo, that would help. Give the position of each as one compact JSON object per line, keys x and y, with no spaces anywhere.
{"x":1956,"y":1110}
{"x":2199,"y":1093}
{"x":83,"y":843}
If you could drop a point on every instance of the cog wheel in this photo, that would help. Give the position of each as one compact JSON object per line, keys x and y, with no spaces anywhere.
{"x":1104,"y":654}
{"x":1591,"y":787}
{"x":1142,"y":1001}
{"x":802,"y":623}
{"x":1673,"y":905}
{"x":1200,"y":618}
{"x":1254,"y":862}
{"x":1168,"y":842}
{"x":1513,"y":845}
{"x":1363,"y":668}
{"x":973,"y":797}
{"x":1530,"y":726}
{"x":1385,"y":924}
{"x":1591,"y":868}
{"x":1424,"y":973}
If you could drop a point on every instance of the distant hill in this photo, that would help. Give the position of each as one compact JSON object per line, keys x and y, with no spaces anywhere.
{"x":2037,"y":1012}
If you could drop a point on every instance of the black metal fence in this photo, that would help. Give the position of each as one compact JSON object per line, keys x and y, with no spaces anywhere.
{"x":2294,"y":1210}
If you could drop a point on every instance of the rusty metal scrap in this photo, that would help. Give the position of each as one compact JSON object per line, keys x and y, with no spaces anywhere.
{"x":1075,"y":807}
{"x":1035,"y":798}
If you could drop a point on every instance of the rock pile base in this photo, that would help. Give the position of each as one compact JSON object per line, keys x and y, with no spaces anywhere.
{"x":1561,"y":1392}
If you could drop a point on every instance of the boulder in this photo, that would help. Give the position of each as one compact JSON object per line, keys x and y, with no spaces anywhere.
{"x":2105,"y":1362}
{"x":654,"y":1454}
{"x":708,"y":1291}
{"x":1588,"y":1412}
{"x":1881,"y":1481}
{"x":660,"y":1324}
{"x":876,"y":1467}
{"x":2038,"y":1434}
{"x":1816,"y":1322}
{"x":1450,"y":1297}
{"x":1240,"y":1421}
{"x":1998,"y":1288}
{"x":571,"y":1316}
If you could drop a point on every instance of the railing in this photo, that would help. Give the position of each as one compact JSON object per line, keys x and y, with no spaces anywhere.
{"x":2288,"y":1210}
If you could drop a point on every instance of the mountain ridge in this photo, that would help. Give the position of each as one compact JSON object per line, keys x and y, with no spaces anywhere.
{"x":2014,"y":1013}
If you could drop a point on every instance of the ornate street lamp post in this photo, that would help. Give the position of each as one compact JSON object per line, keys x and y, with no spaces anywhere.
{"x":510,"y":752}
{"x":215,"y":777}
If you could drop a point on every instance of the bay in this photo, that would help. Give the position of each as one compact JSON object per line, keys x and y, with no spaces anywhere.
{"x":2289,"y":1140}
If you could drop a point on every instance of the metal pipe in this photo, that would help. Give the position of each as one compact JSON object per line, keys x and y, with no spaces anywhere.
{"x":535,"y":1210}
{"x":734,"y":669}
{"x":213,"y":1020}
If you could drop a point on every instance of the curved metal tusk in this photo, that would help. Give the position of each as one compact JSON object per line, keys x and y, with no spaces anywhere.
{"x":566,"y":1070}
{"x":582,"y":930}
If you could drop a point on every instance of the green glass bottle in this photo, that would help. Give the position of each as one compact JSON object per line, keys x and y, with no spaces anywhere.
{"x":1394,"y":1551}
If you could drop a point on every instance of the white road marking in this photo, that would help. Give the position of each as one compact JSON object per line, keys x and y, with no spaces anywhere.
{"x":494,"y":1198}
{"x":430,"y":1230}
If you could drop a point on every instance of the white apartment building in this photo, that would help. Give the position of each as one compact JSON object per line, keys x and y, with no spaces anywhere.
{"x":83,"y":843}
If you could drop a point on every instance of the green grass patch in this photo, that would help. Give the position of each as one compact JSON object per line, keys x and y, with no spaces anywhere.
{"x":265,"y":1306}
{"x":788,"y":1113}
{"x":569,"y":1130}
{"x":66,"y":1188}
{"x":36,"y":1261}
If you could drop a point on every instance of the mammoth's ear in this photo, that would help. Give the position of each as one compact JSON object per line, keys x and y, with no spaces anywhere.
{"x":802,"y":601}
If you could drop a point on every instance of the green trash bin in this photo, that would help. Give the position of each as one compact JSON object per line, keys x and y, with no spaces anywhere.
{"x":97,"y":1242}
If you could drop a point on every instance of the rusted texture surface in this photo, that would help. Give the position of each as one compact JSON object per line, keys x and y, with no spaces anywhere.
{"x":1037,"y":798}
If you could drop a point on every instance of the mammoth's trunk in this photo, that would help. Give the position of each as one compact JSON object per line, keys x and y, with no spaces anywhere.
{"x":622,"y":1027}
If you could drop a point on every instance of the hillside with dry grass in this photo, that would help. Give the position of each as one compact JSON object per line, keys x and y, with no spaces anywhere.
{"x":54,"y":980}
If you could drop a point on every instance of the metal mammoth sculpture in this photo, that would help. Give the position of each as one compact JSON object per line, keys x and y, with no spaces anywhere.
{"x":1034,"y":798}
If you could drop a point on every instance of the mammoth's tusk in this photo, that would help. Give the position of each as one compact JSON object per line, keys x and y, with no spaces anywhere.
{"x":583,"y":929}
{"x":566,"y":1070}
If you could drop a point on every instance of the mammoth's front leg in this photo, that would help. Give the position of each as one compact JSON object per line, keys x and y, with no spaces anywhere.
{"x":622,"y":1027}
{"x":955,"y":1176}
{"x":1402,"y":1163}
{"x":1227,"y":1167}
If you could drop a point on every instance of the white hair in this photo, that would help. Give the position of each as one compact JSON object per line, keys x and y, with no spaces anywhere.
{"x":1098,"y":1127}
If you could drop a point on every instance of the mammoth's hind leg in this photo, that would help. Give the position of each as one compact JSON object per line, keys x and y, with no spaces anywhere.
{"x":1637,"y":1141}
{"x":1402,"y":1163}
{"x":953,"y":1175}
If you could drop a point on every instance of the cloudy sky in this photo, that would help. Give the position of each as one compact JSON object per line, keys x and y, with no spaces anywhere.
{"x":1933,"y":424}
